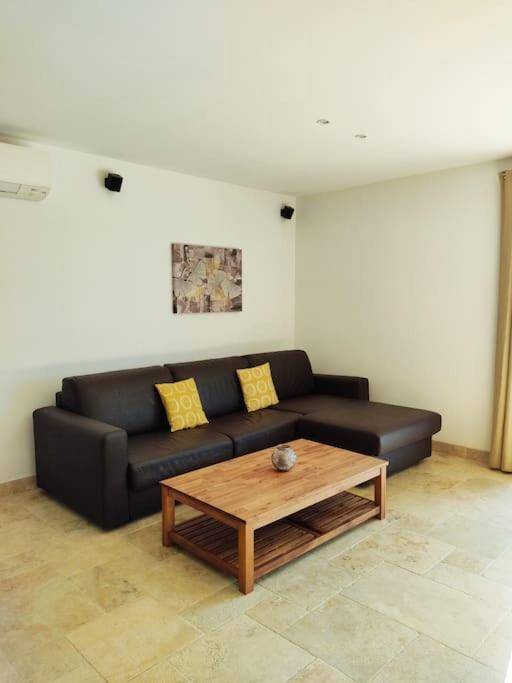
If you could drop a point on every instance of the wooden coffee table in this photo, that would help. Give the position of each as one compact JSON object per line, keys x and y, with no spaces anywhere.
{"x":256,"y":519}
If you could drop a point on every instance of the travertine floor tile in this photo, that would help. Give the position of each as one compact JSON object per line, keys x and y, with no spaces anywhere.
{"x":164,"y":672}
{"x":487,"y":675}
{"x":473,"y":536}
{"x":134,"y":564}
{"x":496,"y":650}
{"x":137,"y":524}
{"x":472,"y":584}
{"x":418,"y":479}
{"x":181,"y":581}
{"x":21,"y":563}
{"x":176,"y":578}
{"x":105,"y":587}
{"x":59,"y":517}
{"x":75,"y":552}
{"x":451,"y":617}
{"x":440,"y":506}
{"x":148,"y":536}
{"x":485,"y":507}
{"x":351,"y":637}
{"x":17,"y":596}
{"x":483,"y":486}
{"x":407,"y":549}
{"x":83,"y":674}
{"x":307,"y":582}
{"x":7,"y":671}
{"x":443,"y":464}
{"x":469,"y":562}
{"x":426,"y":661}
{"x":349,"y":539}
{"x":242,"y":650}
{"x":46,"y":599}
{"x":11,"y":512}
{"x":360,"y":559}
{"x":320,"y":672}
{"x":149,"y":539}
{"x":31,"y":499}
{"x":501,"y":569}
{"x":415,"y":523}
{"x":222,"y":606}
{"x":37,"y":655}
{"x":27,"y":533}
{"x":61,"y":575}
{"x":132,"y":638}
{"x":62,"y":606}
{"x":276,"y":613}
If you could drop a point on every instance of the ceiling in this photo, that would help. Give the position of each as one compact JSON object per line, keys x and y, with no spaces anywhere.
{"x":231,"y":89}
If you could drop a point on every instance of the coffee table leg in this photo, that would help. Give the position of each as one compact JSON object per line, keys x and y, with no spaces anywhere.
{"x":245,"y":558}
{"x":380,"y":492}
{"x":168,"y":507}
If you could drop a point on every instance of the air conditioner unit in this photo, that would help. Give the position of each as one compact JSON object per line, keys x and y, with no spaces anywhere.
{"x":24,"y":172}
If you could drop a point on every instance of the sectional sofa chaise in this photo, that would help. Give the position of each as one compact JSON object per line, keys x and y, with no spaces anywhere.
{"x":104,"y":447}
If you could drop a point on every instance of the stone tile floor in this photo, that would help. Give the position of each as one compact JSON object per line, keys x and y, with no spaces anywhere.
{"x":425,"y":595}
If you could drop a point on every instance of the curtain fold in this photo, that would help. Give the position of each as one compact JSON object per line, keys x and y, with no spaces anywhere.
{"x":501,"y":448}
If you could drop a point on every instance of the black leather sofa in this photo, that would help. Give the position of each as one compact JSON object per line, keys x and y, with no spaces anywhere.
{"x":104,"y":447}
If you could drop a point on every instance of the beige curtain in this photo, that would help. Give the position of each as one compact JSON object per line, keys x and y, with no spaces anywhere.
{"x":501,"y":449}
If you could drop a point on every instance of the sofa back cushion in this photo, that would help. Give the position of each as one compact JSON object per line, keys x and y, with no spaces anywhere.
{"x":217,"y":382}
{"x":291,"y":371}
{"x":123,"y":398}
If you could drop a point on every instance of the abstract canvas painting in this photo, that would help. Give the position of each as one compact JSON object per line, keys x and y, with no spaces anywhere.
{"x":206,"y":279}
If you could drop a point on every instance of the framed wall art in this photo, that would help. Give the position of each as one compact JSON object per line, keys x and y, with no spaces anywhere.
{"x":206,"y":279}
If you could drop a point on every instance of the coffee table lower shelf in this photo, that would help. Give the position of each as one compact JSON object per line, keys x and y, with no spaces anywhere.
{"x":277,"y":543}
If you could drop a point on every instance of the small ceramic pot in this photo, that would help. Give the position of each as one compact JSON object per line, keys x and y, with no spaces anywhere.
{"x":283,"y":457}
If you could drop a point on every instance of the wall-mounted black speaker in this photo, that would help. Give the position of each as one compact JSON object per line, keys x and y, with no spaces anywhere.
{"x":287,"y":212}
{"x":113,"y":182}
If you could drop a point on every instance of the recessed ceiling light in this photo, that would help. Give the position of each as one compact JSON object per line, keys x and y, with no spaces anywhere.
{"x":323,"y":122}
{"x":360,"y":136}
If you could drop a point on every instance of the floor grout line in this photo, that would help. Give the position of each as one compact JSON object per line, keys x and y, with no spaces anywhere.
{"x":83,"y":656}
{"x":398,"y":654}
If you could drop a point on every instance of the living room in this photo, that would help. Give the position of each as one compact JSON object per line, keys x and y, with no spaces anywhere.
{"x":200,"y":199}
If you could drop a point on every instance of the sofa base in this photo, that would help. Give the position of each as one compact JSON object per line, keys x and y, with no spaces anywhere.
{"x":145,"y":502}
{"x":402,"y":458}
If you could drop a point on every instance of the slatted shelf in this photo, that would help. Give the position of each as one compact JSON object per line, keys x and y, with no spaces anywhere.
{"x":219,"y":543}
{"x":333,"y":513}
{"x":276,"y":543}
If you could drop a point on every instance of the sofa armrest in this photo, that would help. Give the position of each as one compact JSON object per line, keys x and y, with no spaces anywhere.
{"x":340,"y":385}
{"x":83,"y":463}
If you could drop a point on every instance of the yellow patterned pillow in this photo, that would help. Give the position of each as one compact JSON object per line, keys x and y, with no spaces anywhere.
{"x":182,"y":404}
{"x":257,"y":387}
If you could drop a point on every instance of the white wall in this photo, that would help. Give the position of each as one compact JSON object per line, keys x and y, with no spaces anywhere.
{"x":397,"y":281}
{"x":85,"y":281}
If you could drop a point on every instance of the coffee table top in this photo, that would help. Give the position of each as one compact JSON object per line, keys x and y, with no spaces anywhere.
{"x":248,"y":488}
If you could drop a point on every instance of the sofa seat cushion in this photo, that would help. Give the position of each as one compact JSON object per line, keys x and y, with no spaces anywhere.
{"x":158,"y":455}
{"x":312,"y":403}
{"x":257,"y":430}
{"x":368,"y":427}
